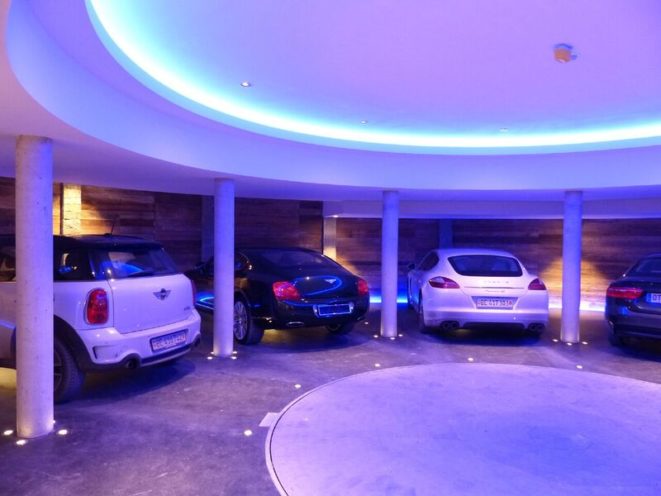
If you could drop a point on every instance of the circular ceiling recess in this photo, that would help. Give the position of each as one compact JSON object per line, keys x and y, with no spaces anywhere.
{"x":450,"y":77}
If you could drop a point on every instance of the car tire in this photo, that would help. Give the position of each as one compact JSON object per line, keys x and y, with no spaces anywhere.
{"x":339,"y":329}
{"x":68,"y":378}
{"x":422,"y":326}
{"x":614,"y":338}
{"x":246,"y":331}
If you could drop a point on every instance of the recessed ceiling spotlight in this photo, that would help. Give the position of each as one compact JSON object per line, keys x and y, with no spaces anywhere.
{"x":564,"y":53}
{"x":246,"y":84}
{"x":364,"y":121}
{"x":504,"y":130}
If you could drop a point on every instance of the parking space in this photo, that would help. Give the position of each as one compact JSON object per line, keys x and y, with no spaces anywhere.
{"x":194,"y":427}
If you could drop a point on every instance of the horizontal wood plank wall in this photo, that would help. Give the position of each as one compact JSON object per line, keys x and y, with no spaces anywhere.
{"x":8,"y":206}
{"x":278,"y":223}
{"x":359,"y":246}
{"x":609,"y":248}
{"x":172,"y":219}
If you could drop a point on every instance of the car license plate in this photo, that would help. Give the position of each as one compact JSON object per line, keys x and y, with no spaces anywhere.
{"x":655,"y":297}
{"x":333,"y":310}
{"x":501,"y":303}
{"x":168,"y":341}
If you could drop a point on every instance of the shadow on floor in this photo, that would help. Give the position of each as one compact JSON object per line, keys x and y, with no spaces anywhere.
{"x":114,"y":385}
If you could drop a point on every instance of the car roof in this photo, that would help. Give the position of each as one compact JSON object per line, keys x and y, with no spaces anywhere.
{"x":450,"y":252}
{"x":99,"y":241}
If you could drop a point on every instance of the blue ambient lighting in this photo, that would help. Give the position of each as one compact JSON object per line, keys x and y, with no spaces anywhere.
{"x":169,"y":78}
{"x":376,"y":298}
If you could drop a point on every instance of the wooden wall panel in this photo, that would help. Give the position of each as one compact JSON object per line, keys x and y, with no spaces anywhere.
{"x":8,"y":205}
{"x":119,"y":211}
{"x":178,"y":225}
{"x":278,"y":223}
{"x":609,"y":248}
{"x":7,"y":202}
{"x":359,"y":246}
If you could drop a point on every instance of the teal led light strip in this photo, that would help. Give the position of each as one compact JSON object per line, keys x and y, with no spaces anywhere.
{"x":113,"y":29}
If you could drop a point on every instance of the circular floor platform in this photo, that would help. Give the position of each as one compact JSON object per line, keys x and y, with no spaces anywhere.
{"x":471,"y":429}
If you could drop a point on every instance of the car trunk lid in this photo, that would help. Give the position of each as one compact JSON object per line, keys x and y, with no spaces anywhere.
{"x":150,"y":302}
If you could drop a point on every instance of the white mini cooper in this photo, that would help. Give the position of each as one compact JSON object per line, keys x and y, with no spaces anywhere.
{"x":118,"y":302}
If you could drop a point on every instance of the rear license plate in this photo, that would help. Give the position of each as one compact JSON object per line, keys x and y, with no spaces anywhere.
{"x":502,"y":303}
{"x":333,"y":310}
{"x":168,"y":341}
{"x":655,"y":297}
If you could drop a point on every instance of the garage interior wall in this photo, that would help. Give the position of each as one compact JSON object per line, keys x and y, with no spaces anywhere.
{"x":609,"y":246}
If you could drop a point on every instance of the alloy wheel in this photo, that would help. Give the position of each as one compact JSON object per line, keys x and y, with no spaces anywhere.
{"x":240,"y":320}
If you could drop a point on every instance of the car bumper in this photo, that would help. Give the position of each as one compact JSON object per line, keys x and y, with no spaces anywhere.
{"x":108,"y":348}
{"x":305,"y":314}
{"x":523,"y":318}
{"x":452,"y":305}
{"x":629,"y":323}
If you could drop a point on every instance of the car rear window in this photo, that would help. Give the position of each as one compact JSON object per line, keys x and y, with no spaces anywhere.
{"x":294,"y":258}
{"x":647,"y":267}
{"x":486,"y":265}
{"x":132,"y":261}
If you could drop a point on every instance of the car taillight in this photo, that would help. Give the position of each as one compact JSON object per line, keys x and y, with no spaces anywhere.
{"x":284,"y":290}
{"x":537,"y":285}
{"x":624,"y":292}
{"x":96,"y":310}
{"x":363,"y":288}
{"x":443,"y":283}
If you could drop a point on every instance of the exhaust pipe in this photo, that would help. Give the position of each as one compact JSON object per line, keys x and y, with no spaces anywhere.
{"x":295,"y":324}
{"x":449,"y":325}
{"x":536,"y":327}
{"x":132,"y":363}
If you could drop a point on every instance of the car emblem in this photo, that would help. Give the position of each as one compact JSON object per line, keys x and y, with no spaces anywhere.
{"x":330,"y":280}
{"x":162,"y":294}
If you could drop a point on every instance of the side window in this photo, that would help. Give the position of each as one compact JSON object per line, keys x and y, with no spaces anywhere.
{"x":7,"y":263}
{"x":73,"y":265}
{"x":429,"y":262}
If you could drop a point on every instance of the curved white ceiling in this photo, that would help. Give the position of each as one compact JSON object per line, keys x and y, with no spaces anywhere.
{"x":423,"y":76}
{"x":464,"y":78}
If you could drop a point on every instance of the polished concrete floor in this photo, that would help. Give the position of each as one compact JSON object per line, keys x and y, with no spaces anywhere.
{"x":194,"y":427}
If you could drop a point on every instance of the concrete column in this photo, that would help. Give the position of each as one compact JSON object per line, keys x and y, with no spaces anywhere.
{"x":389,"y":259}
{"x":330,"y":237}
{"x":70,"y":209}
{"x":34,"y":286}
{"x":571,"y":267}
{"x":223,"y":286}
{"x":445,"y":235}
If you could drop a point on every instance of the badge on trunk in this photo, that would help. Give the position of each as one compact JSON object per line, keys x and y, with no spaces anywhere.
{"x":162,"y":294}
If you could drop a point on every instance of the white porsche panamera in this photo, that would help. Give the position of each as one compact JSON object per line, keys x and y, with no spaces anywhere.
{"x":462,"y":287}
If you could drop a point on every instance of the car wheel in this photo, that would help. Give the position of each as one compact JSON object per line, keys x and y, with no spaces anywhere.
{"x":422,"y":325}
{"x":68,"y":378}
{"x":339,"y":329}
{"x":246,"y":331}
{"x":614,"y":338}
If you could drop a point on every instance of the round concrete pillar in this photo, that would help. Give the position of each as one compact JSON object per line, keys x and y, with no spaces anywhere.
{"x":34,"y":286}
{"x":389,"y":262}
{"x":223,"y":286}
{"x":571,"y":267}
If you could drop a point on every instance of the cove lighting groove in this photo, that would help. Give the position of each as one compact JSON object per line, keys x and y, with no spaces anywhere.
{"x":164,"y":75}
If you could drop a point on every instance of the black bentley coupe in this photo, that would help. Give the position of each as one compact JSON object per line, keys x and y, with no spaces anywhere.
{"x":283,"y":288}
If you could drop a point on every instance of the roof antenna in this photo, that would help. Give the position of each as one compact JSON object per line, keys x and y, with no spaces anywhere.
{"x":112,"y":227}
